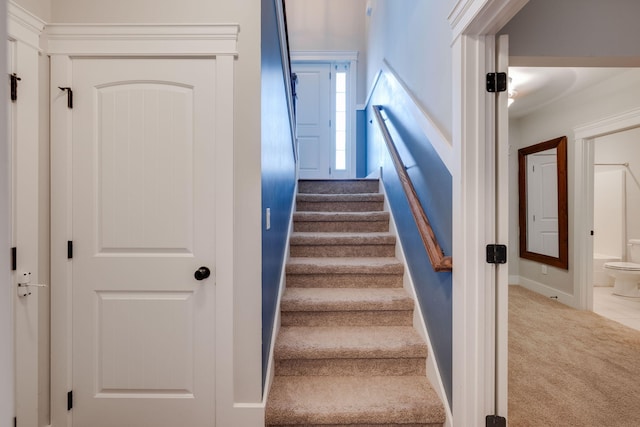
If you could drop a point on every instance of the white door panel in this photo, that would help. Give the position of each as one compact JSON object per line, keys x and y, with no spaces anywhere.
{"x":143,"y":223}
{"x":313,"y":120}
{"x":542,"y":213}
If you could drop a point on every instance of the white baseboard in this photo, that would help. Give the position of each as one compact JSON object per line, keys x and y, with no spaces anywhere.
{"x":514,"y":280}
{"x":550,"y":292}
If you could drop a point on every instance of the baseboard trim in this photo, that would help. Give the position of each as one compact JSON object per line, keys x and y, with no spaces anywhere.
{"x":514,"y":280}
{"x":433,"y":371}
{"x":550,"y":292}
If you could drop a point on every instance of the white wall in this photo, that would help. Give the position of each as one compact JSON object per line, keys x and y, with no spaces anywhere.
{"x":575,"y":28}
{"x":40,"y":8}
{"x":414,"y":36}
{"x":247,"y":230}
{"x":607,"y":98}
{"x":330,"y":25}
{"x":624,"y":147}
{"x":6,"y":291}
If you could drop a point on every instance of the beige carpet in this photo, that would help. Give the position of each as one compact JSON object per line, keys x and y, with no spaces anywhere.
{"x":569,"y":367}
{"x":346,"y":353}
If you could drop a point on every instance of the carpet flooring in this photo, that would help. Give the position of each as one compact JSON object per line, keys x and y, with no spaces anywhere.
{"x":346,"y":353}
{"x":569,"y":367}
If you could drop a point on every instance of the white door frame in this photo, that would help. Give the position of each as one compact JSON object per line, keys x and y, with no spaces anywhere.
{"x":31,"y":319}
{"x":7,"y":408}
{"x":474,"y":22}
{"x":66,"y":42}
{"x":350,"y":57}
{"x":584,"y":136}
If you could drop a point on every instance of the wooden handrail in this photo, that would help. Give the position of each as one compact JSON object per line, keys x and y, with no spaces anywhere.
{"x":439,"y":261}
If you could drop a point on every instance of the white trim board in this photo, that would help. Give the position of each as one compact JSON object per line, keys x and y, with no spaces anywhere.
{"x":141,"y":40}
{"x":68,"y":41}
{"x":548,"y":291}
{"x":324,"y":55}
{"x":22,"y":25}
{"x":434,"y":134}
{"x":473,"y":23}
{"x":584,"y":136}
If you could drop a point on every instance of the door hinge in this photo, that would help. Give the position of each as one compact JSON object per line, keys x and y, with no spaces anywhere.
{"x":14,"y":79}
{"x":14,"y":258}
{"x":69,"y":249}
{"x":69,"y":96}
{"x":496,"y":254}
{"x":496,"y":82}
{"x":69,"y":400}
{"x":495,"y":421}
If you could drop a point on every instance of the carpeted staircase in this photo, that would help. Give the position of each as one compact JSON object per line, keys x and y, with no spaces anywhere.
{"x":347,"y":353}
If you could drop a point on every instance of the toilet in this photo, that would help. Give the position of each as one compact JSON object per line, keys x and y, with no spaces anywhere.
{"x":626,"y":275}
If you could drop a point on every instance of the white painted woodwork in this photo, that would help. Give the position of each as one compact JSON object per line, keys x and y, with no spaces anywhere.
{"x":474,"y":312}
{"x":6,"y":291}
{"x":313,"y":115}
{"x":502,"y":231}
{"x":143,"y":221}
{"x":137,"y":42}
{"x":337,"y":61}
{"x":583,"y":177}
{"x":30,"y":318}
{"x":542,"y":203}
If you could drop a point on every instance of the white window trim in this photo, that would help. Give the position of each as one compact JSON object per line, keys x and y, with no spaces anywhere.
{"x":339,"y":57}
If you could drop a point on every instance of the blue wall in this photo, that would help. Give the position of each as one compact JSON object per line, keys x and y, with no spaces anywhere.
{"x":278,"y":173}
{"x":432,"y":182}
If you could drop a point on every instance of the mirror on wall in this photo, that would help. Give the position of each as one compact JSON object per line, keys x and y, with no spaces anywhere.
{"x":543,"y":202}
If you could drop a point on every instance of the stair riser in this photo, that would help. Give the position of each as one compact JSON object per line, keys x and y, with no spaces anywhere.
{"x":332,"y":187}
{"x":351,"y":367}
{"x":347,"y":318}
{"x":344,"y":280}
{"x":356,"y":206}
{"x":342,"y":250}
{"x":341,"y":226}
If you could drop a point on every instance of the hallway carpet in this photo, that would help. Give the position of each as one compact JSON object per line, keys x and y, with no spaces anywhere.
{"x":569,"y":367}
{"x":346,"y":352}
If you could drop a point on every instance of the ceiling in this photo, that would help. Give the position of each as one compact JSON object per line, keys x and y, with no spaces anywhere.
{"x":536,"y":87}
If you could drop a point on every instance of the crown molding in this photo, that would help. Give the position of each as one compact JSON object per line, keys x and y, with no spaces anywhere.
{"x":24,"y":26}
{"x":142,"y":39}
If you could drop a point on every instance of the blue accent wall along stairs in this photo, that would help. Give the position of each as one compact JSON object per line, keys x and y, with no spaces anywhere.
{"x":433,"y":184}
{"x":278,"y":173}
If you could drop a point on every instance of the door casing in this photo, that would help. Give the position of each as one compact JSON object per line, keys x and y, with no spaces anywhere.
{"x":67,"y":42}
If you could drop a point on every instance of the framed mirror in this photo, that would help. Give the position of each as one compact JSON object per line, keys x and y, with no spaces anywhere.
{"x":542,"y":184}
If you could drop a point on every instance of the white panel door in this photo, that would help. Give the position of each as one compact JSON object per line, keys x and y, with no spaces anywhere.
{"x":313,"y":115}
{"x":542,"y":214}
{"x":143,"y":223}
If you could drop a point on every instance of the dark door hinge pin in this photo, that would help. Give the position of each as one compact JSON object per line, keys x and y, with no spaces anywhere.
{"x":69,"y":96}
{"x":14,"y":79}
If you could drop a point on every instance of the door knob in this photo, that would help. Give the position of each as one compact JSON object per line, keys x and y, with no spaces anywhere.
{"x":202,"y":273}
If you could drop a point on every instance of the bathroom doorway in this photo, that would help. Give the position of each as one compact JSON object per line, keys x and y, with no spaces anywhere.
{"x":604,"y":158}
{"x":616,"y":197}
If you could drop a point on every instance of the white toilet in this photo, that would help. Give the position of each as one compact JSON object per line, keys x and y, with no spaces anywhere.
{"x":626,"y":274}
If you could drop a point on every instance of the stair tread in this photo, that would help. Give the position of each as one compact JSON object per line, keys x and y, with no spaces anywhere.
{"x":302,"y":342}
{"x":351,"y":400}
{"x":341,"y":216}
{"x":344,"y":238}
{"x":340,"y":197}
{"x":355,"y":265}
{"x":345,"y":299}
